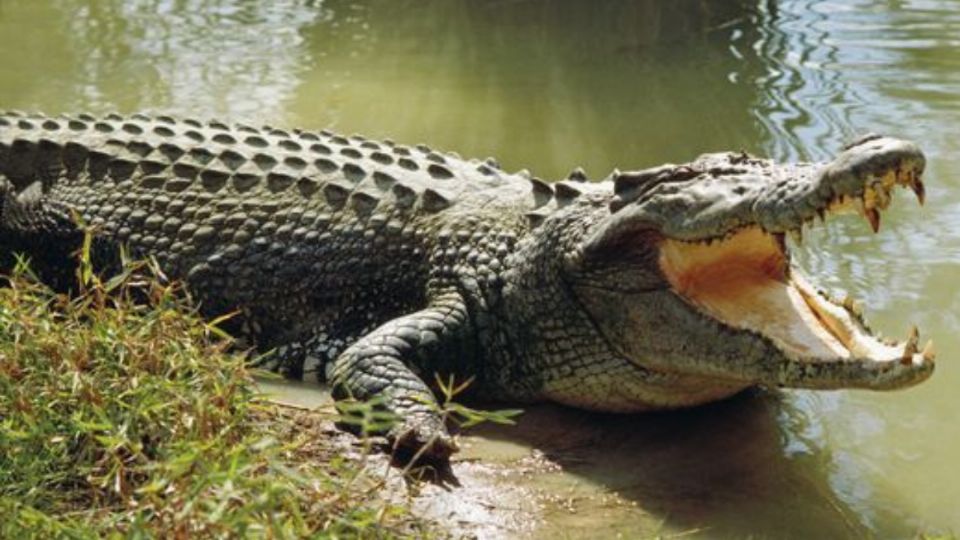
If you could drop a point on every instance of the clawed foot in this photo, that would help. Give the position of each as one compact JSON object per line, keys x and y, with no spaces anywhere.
{"x":419,"y":436}
{"x":422,"y":436}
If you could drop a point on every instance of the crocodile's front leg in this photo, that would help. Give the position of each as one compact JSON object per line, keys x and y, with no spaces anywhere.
{"x":382,"y":364}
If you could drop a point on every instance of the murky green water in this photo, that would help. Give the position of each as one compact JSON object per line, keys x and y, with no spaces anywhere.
{"x":554,"y":85}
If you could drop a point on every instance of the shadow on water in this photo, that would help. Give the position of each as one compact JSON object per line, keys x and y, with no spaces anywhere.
{"x":734,"y":469}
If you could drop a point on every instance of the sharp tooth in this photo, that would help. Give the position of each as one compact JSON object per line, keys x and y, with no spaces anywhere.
{"x":928,"y":352}
{"x":919,"y":190}
{"x":873,"y":216}
{"x":913,"y":341}
{"x":852,"y":306}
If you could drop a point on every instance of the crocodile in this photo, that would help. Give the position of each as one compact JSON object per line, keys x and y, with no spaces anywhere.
{"x":377,"y":266}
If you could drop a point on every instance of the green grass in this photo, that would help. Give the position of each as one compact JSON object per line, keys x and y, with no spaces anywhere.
{"x":130,"y":418}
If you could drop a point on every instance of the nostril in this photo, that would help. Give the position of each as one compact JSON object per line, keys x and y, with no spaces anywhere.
{"x":862,"y":139}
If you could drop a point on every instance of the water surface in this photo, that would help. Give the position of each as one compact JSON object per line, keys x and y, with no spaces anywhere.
{"x":554,"y":85}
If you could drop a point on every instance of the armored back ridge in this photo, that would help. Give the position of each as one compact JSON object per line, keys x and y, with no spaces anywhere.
{"x":374,"y":264}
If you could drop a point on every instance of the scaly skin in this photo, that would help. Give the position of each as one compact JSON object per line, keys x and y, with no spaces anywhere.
{"x":375,"y":265}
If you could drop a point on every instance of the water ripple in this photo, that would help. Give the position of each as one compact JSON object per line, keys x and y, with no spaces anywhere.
{"x":230,"y":58}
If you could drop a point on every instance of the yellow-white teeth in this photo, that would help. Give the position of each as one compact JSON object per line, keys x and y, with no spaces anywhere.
{"x":852,"y":305}
{"x":928,"y":352}
{"x":910,"y":348}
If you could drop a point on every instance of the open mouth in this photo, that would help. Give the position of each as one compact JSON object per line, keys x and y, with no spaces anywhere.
{"x":745,"y":281}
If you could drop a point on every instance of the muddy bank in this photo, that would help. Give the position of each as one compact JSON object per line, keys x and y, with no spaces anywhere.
{"x":727,"y":470}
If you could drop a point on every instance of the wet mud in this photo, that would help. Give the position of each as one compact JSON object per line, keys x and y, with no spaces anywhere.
{"x":565,"y":473}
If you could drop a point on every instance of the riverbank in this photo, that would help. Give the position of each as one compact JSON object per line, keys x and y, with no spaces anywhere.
{"x":130,"y":418}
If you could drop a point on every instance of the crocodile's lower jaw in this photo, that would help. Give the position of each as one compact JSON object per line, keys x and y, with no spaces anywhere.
{"x":745,"y":282}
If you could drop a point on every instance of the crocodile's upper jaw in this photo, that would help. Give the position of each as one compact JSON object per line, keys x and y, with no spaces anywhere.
{"x":745,"y":280}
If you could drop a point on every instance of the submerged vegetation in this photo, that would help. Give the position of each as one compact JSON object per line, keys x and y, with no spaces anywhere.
{"x":122,"y":413}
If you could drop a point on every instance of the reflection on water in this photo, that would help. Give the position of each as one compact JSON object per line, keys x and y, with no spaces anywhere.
{"x":193,"y":57}
{"x":554,"y":85}
{"x":892,"y":67}
{"x":801,"y":104}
